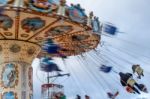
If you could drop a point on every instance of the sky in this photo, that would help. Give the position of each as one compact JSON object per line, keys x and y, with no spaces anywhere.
{"x":120,"y":51}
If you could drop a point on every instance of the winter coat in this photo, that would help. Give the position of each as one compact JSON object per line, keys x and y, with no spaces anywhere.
{"x":124,"y":78}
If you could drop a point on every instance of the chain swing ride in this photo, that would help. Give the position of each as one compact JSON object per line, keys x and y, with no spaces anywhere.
{"x":45,"y":29}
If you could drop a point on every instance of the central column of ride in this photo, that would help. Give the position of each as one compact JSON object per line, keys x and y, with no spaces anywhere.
{"x":15,"y":69}
{"x":16,"y":81}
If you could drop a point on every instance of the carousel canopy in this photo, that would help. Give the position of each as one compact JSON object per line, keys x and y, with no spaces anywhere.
{"x":26,"y":24}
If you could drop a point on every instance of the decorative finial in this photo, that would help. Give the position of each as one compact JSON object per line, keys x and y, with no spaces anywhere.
{"x":16,"y":3}
{"x":19,"y":3}
{"x":62,"y":8}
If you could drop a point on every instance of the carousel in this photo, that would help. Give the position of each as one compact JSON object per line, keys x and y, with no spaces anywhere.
{"x":43,"y":29}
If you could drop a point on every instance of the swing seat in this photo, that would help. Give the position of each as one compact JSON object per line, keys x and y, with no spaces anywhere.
{"x":131,"y":82}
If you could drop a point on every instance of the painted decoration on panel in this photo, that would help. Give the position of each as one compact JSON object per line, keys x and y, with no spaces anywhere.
{"x":5,"y":22}
{"x":9,"y":95}
{"x":31,"y":50}
{"x":80,"y":37}
{"x":77,"y":14}
{"x":8,"y":33}
{"x":15,"y":48}
{"x":9,"y":75}
{"x":30,"y":77}
{"x":24,"y":35}
{"x":59,"y":30}
{"x":32,"y":24}
{"x":45,"y":6}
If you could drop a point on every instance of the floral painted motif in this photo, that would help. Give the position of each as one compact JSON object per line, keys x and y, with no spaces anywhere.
{"x":32,"y":24}
{"x":5,"y":22}
{"x":31,"y":50}
{"x":59,"y":30}
{"x":15,"y":48}
{"x":9,"y":75}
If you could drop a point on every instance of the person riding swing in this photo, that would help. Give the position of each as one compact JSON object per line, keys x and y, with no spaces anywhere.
{"x":137,"y":69}
{"x":127,"y":80}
